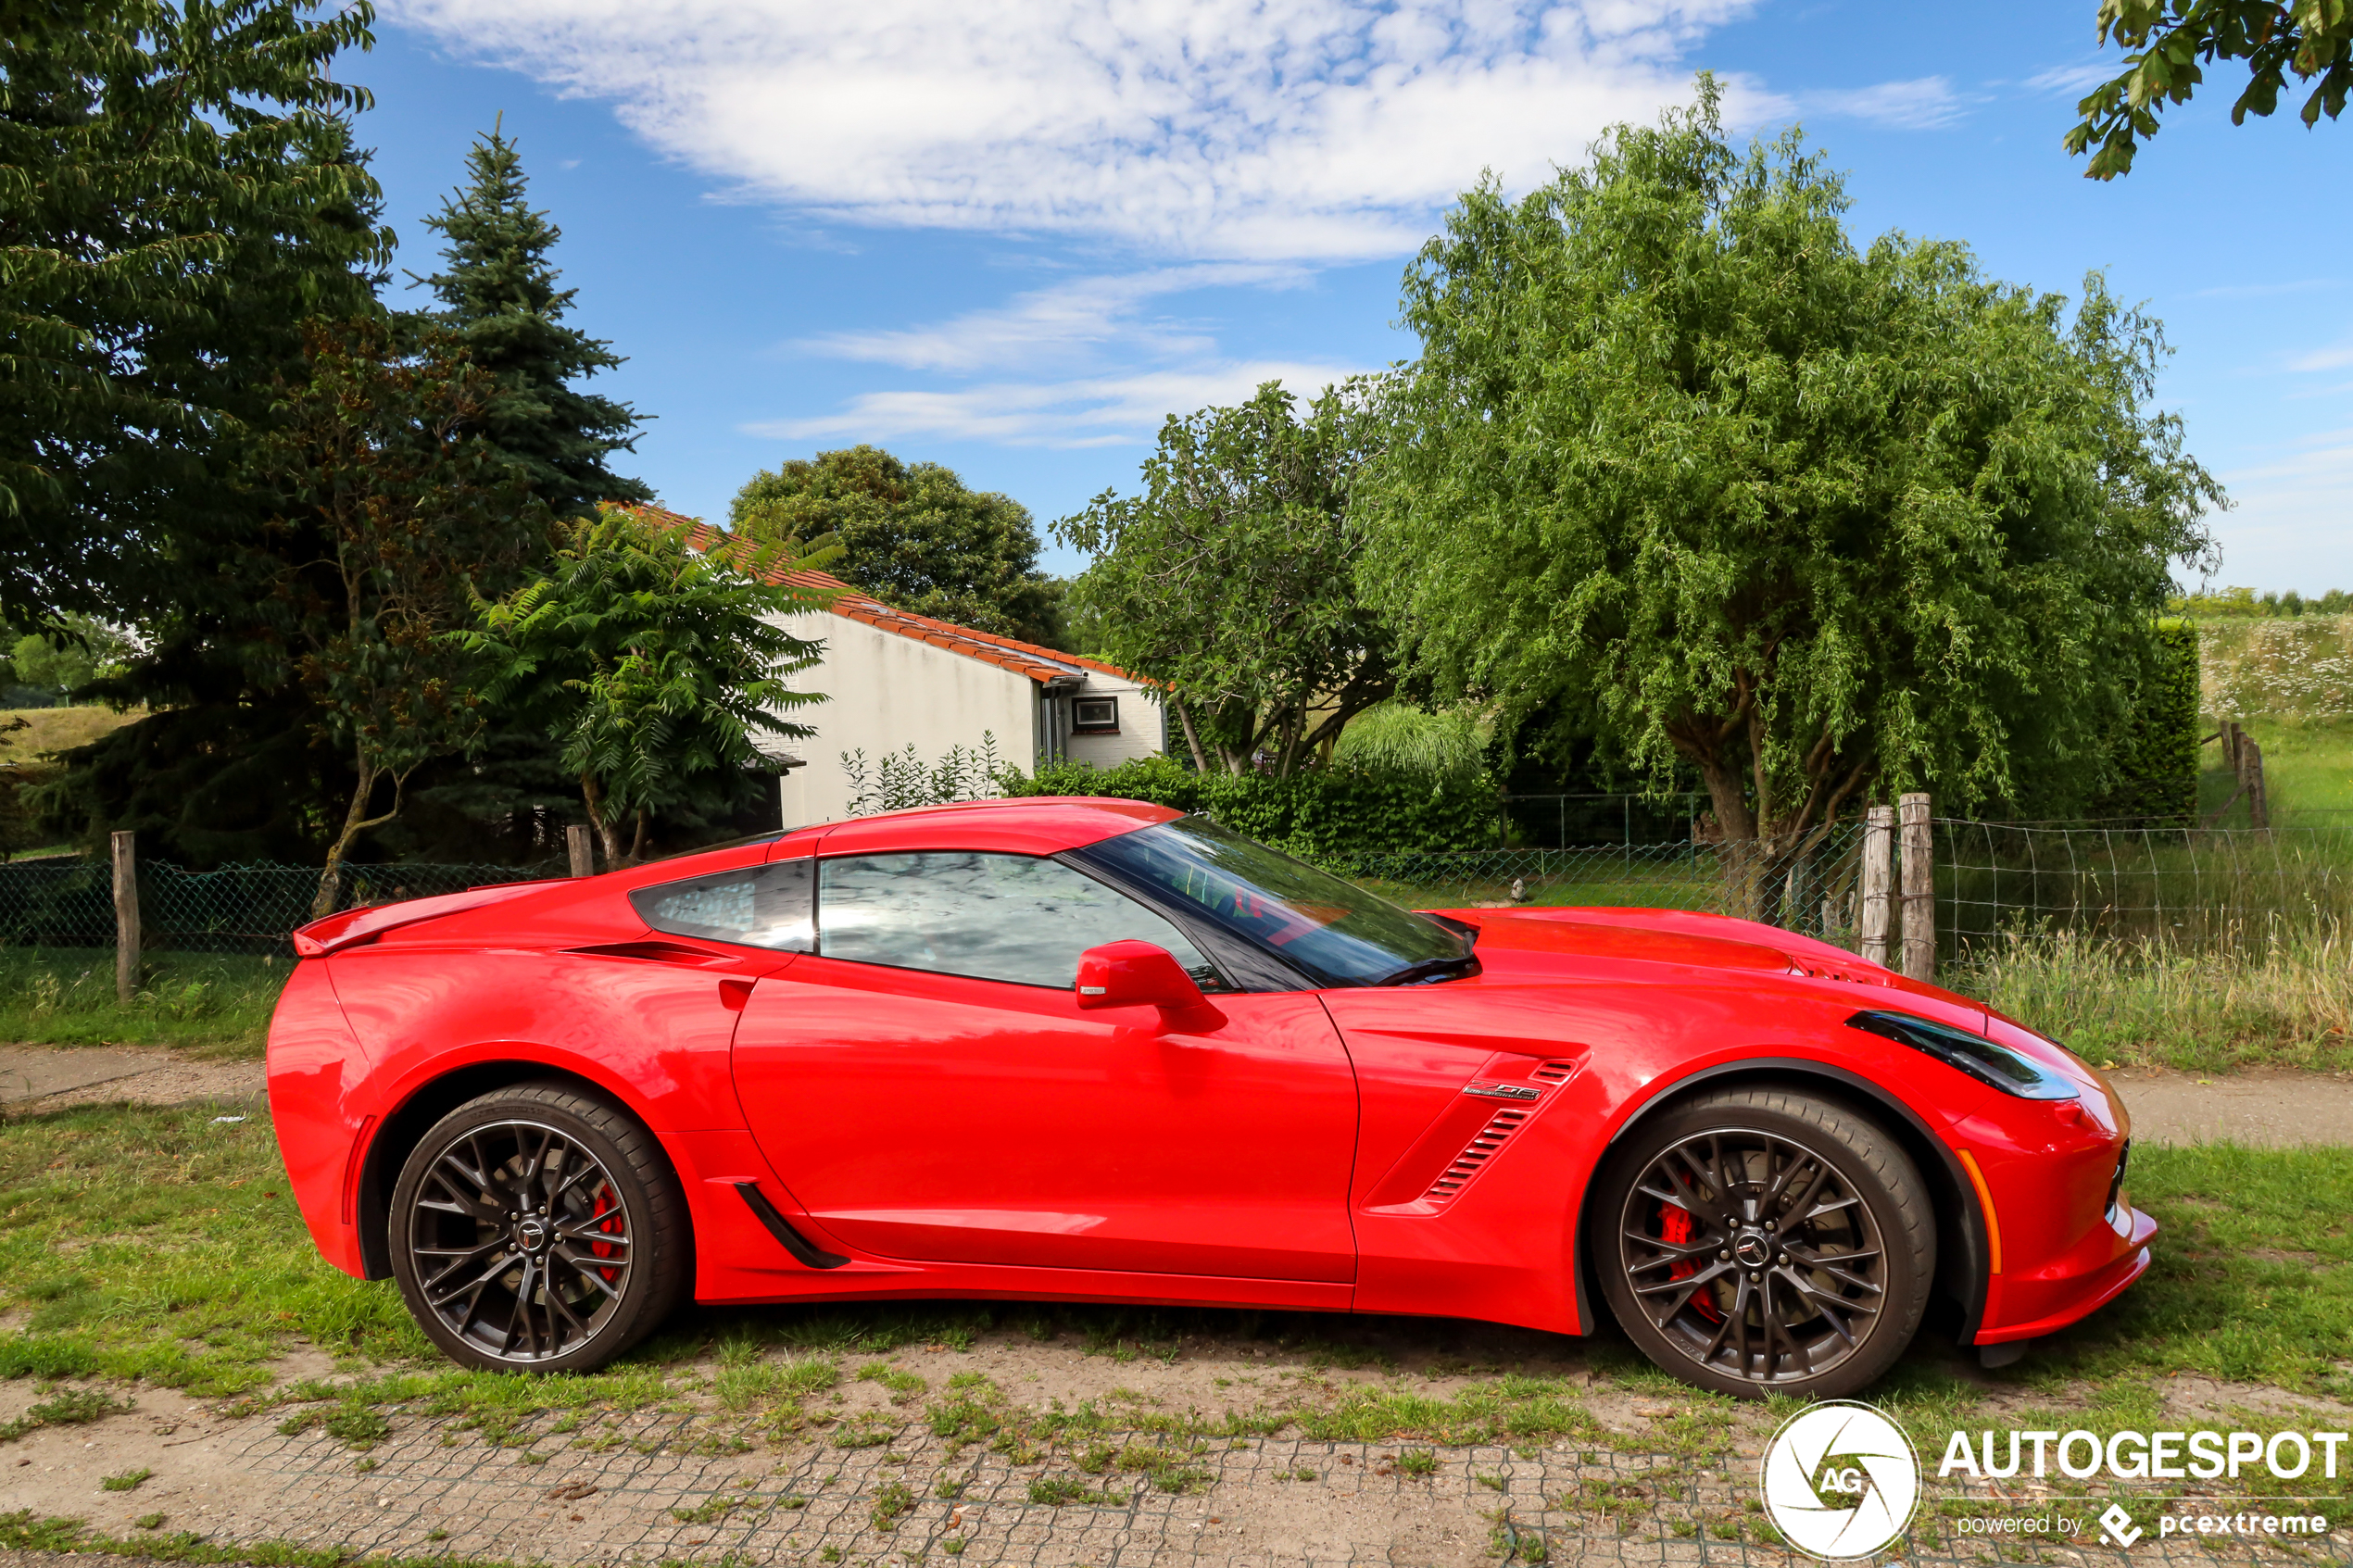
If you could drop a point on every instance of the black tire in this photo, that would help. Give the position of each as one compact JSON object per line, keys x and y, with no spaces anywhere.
{"x":562,"y":1283}
{"x":1764,"y":1240}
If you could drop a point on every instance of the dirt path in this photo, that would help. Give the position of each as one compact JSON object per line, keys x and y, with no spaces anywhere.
{"x":2266,"y":1110}
{"x":1656,"y":1478}
{"x":52,"y":1077}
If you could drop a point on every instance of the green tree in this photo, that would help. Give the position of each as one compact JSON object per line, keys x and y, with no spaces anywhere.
{"x":180,"y":190}
{"x":375,"y":461}
{"x":1680,"y":459}
{"x":915,"y":536}
{"x":71,"y":653}
{"x":655,"y":667}
{"x":1230,"y":580}
{"x":498,"y":297}
{"x":2169,"y":39}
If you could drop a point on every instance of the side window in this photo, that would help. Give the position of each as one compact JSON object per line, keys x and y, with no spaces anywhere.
{"x":754,"y":906}
{"x":992,"y":917}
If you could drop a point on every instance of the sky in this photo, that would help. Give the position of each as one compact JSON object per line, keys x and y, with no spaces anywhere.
{"x":1013,"y":235}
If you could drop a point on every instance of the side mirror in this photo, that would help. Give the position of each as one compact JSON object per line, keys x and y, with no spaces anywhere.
{"x":1132,"y":973}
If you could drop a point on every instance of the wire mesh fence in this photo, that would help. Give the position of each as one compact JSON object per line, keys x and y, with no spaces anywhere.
{"x":1571,"y":822}
{"x":234,"y":908}
{"x":1810,"y":886}
{"x":2202,"y":889}
{"x":2183,"y":887}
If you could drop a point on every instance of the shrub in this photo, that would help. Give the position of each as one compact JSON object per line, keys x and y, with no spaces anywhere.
{"x":1343,"y":810}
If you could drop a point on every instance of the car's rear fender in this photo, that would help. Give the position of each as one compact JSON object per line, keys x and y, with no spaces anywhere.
{"x":399,"y":1132}
{"x":321,"y":1094}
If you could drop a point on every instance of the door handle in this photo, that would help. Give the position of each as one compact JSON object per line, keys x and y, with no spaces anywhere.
{"x":734,"y":994}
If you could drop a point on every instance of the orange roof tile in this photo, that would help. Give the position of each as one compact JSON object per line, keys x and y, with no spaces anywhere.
{"x":1027,"y":659}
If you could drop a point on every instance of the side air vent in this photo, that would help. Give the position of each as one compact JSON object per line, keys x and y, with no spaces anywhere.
{"x":1554,"y":1073}
{"x":1851,"y":977}
{"x":1482,"y":1148}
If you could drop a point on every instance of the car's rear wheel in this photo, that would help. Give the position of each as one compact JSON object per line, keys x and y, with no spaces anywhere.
{"x":1762,"y":1240}
{"x":538,"y":1228}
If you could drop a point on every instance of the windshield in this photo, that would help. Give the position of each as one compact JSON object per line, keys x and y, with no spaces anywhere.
{"x":1335,"y":932}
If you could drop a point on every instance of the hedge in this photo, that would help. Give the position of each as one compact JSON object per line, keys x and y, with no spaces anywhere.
{"x":2157,"y":754}
{"x":1326,"y":811}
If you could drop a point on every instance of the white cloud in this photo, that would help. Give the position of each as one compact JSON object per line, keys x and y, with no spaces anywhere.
{"x":2287,"y":528}
{"x":1927,"y":104}
{"x":1070,"y":323}
{"x":1108,"y":410}
{"x":1286,"y":129}
{"x":2335,"y":358}
{"x":2072,"y":81}
{"x":2265,"y":291}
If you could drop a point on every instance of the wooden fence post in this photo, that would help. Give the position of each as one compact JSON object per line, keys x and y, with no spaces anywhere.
{"x":2250,"y":765}
{"x":1878,"y":906}
{"x":126,"y":917}
{"x":583,"y":849}
{"x":1918,"y":850}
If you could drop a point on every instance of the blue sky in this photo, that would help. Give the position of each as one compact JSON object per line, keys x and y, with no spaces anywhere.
{"x":1010,"y":235}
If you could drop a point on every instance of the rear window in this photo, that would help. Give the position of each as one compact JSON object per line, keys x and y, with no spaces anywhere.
{"x":770,"y":905}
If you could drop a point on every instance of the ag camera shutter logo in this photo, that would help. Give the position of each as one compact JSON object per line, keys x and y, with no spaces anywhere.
{"x":1840,"y":1480}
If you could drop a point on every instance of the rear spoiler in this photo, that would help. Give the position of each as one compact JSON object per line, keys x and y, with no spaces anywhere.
{"x":354,"y":926}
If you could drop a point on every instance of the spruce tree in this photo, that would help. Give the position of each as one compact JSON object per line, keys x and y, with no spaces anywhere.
{"x":499,"y":300}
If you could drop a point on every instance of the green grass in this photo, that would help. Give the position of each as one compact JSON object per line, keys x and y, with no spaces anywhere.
{"x":155,"y":1244}
{"x":2284,"y":1002}
{"x":2308,"y":772}
{"x":70,"y":1407}
{"x":158,"y":1244}
{"x":21,"y":1530}
{"x":211,"y":1004}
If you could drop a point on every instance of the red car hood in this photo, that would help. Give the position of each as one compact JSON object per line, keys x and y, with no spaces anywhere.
{"x":1567,"y":943}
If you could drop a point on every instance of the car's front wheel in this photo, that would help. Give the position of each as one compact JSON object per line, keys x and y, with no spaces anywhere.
{"x":1761,"y":1240}
{"x":538,"y":1228}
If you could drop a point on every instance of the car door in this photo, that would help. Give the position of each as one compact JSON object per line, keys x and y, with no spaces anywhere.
{"x":928,"y":1088}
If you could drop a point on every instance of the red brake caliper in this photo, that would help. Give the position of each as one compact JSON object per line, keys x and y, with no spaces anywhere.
{"x":1675,"y":1227}
{"x":605,"y":1205}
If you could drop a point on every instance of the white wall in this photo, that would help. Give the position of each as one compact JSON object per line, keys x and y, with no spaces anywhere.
{"x":1140,"y":723}
{"x":883,"y":691}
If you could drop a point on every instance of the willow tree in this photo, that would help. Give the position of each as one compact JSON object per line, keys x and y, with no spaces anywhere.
{"x":1810,"y":520}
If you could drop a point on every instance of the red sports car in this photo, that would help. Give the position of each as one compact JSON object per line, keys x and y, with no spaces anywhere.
{"x":1096,"y":1050}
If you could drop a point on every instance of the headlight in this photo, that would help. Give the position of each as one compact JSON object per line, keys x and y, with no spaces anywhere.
{"x":2011,"y":1072}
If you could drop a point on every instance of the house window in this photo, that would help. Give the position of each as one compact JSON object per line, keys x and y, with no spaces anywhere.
{"x":1094,"y":716}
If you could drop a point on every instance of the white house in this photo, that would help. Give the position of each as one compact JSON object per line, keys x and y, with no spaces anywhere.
{"x":892,"y":679}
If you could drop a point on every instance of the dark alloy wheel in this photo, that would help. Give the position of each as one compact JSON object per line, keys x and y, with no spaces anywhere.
{"x":1764,"y":1241}
{"x":538,"y":1228}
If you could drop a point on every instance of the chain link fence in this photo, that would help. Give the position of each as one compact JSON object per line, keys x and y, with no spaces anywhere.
{"x":234,"y":908}
{"x":2184,"y":887}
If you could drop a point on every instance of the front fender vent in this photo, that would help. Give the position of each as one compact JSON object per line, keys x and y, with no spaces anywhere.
{"x":1482,"y":1148}
{"x":1858,"y":975}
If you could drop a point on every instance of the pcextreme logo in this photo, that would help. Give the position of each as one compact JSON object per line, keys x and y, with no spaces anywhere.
{"x":1840,"y":1480}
